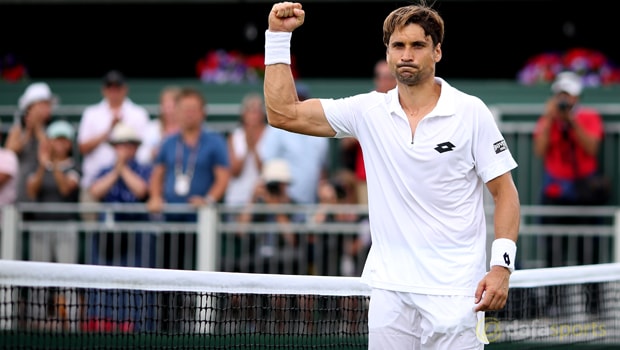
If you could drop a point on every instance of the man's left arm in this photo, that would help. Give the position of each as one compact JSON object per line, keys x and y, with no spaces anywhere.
{"x":492,"y":291}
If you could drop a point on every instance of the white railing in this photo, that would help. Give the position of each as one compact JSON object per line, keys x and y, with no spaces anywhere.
{"x":215,"y":242}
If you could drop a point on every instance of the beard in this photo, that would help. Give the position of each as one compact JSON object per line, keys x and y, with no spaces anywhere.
{"x":412,"y":76}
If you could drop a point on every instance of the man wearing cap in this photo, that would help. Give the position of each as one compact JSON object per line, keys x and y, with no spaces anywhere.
{"x":567,"y":137}
{"x":97,"y":122}
{"x":34,"y":114}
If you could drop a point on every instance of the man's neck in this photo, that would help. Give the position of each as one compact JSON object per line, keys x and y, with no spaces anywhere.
{"x":190,"y":136}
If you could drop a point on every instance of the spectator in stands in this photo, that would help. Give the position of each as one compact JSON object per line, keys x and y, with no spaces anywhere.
{"x":126,"y":181}
{"x":243,"y":141}
{"x":329,"y":248}
{"x":9,"y":171}
{"x":96,"y":124}
{"x":306,"y":155}
{"x":35,"y":112}
{"x":272,"y":252}
{"x":55,"y":180}
{"x":567,"y":137}
{"x":192,"y":166}
{"x":161,"y":127}
{"x":384,"y":81}
{"x":276,"y":251}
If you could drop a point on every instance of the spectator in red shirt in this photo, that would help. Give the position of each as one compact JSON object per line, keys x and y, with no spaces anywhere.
{"x":567,"y":137}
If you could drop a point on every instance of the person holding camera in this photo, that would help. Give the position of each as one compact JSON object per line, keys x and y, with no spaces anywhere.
{"x":271,"y":252}
{"x":567,"y":137}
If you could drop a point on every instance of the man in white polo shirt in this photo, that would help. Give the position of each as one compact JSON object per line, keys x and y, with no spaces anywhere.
{"x":429,"y":150}
{"x":96,"y":124}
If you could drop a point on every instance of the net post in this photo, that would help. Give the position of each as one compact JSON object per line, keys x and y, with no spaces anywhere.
{"x":207,"y":238}
{"x":616,"y":251}
{"x":8,"y":239}
{"x":9,"y":232}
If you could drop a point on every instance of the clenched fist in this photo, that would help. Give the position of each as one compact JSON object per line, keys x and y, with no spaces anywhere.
{"x":286,"y":17}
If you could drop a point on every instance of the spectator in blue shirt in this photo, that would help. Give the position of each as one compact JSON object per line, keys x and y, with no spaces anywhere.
{"x":126,"y":181}
{"x":191,"y":167}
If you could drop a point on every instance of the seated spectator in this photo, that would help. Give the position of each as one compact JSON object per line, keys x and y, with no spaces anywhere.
{"x":56,"y":180}
{"x":126,"y":181}
{"x":329,"y":247}
{"x":273,"y":252}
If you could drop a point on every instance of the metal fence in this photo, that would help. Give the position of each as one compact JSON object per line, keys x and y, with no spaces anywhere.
{"x":210,"y":238}
{"x":516,"y":121}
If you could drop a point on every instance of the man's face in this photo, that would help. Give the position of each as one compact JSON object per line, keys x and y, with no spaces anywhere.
{"x":190,"y":112}
{"x":411,"y":55}
{"x":115,"y":93}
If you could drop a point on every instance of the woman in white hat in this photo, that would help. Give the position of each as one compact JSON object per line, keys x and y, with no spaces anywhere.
{"x":34,"y":113}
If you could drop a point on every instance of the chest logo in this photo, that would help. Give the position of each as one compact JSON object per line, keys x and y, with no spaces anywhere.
{"x":444,"y":147}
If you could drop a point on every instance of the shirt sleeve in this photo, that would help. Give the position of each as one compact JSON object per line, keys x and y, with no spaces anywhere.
{"x":491,"y":153}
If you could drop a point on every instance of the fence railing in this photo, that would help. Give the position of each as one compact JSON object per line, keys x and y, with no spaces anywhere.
{"x":211,"y":238}
{"x":516,"y":120}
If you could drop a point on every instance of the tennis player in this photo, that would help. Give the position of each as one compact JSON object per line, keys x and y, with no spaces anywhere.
{"x":428,"y":149}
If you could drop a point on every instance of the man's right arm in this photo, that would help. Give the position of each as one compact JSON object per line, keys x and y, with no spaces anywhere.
{"x":284,"y":110}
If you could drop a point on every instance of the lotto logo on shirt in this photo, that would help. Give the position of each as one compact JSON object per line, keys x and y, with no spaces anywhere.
{"x":500,"y":146}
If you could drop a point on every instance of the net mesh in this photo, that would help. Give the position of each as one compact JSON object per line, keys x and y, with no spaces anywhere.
{"x":63,"y":306}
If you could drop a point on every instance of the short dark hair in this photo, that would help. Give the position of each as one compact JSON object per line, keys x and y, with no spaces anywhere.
{"x":422,"y":14}
{"x":191,"y":92}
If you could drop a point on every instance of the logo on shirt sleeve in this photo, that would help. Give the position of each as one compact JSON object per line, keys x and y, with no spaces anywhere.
{"x":500,"y":146}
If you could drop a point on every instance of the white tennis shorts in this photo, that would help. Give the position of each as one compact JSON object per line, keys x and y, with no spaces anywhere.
{"x":398,"y":320}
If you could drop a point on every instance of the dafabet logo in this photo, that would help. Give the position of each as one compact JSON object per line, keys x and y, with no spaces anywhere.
{"x":492,"y":330}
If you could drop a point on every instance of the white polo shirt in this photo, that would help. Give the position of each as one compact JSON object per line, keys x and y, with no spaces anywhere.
{"x":96,"y":119}
{"x":425,"y":193}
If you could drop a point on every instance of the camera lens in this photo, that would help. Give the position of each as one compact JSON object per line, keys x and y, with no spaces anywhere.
{"x":273,"y":187}
{"x":563,"y":105}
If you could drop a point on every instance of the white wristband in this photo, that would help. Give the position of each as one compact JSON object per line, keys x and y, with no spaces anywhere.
{"x":277,"y":47}
{"x":503,"y":253}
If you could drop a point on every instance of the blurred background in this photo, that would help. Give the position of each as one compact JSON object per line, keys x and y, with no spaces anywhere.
{"x":487,"y":39}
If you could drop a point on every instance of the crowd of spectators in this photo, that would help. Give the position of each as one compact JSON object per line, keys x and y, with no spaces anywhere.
{"x":119,"y":153}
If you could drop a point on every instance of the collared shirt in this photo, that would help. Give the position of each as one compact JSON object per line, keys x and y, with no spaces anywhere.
{"x":425,"y":191}
{"x":210,"y":152}
{"x":306,"y":156}
{"x":120,"y":192}
{"x":96,"y":120}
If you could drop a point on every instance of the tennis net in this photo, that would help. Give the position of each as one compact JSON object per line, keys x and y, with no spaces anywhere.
{"x":64,"y":306}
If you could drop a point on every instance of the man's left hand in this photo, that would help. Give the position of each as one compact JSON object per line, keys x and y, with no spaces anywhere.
{"x":492,"y":291}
